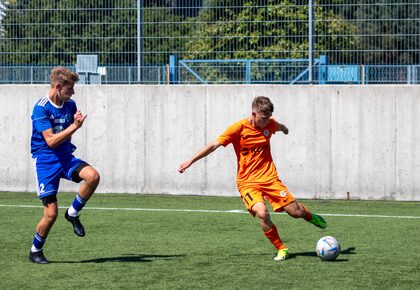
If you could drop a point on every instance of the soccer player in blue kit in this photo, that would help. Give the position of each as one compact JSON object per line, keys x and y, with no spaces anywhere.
{"x":55,"y":119}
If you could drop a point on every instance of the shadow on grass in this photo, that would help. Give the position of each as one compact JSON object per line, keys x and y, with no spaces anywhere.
{"x":129,"y":258}
{"x":348,"y":251}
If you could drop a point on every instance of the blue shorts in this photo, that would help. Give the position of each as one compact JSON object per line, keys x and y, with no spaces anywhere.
{"x":50,"y":168}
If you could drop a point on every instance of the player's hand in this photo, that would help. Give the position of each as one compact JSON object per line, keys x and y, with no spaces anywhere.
{"x":79,"y":118}
{"x":285,"y":129}
{"x":183,"y":166}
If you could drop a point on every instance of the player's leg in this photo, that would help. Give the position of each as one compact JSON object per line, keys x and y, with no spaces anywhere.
{"x":260,"y":210}
{"x":270,"y":230}
{"x":43,"y":228}
{"x":91,"y":179}
{"x":90,"y":176}
{"x":314,"y":218}
{"x":47,"y":171}
{"x":298,"y":210}
{"x":281,"y":199}
{"x":254,"y":202}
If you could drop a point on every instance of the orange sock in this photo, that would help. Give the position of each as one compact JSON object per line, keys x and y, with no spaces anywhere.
{"x":308,"y":215}
{"x":274,"y":238}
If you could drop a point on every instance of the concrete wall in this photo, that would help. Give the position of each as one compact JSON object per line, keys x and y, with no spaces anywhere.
{"x":361,"y":140}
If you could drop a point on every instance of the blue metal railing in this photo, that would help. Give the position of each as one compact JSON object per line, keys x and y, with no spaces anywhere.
{"x":290,"y":71}
{"x":105,"y":75}
{"x":237,"y":71}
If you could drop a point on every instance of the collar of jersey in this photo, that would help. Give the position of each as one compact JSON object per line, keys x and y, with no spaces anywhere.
{"x":54,"y":105}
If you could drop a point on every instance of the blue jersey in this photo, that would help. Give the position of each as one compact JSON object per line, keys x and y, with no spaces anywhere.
{"x":47,"y":115}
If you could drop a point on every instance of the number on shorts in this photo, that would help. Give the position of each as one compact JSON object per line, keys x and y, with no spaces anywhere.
{"x":247,"y":196}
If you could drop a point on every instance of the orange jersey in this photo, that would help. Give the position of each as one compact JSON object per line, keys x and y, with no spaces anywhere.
{"x":253,"y":151}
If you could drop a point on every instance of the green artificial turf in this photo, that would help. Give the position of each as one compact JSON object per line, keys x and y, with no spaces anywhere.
{"x":197,"y":242}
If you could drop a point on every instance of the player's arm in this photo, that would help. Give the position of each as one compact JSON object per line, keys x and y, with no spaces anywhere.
{"x":203,"y":152}
{"x":280,"y":127}
{"x":55,"y":140}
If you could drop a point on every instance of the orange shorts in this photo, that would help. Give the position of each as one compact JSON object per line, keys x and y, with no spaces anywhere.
{"x":276,"y":193}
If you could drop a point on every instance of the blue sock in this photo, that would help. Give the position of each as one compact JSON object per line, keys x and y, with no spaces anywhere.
{"x":77,"y":205}
{"x":38,"y":243}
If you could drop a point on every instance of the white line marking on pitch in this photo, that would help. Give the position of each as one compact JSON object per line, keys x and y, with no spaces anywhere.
{"x":212,"y":211}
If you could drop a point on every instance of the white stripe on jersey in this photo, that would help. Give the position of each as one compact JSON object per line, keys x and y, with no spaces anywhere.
{"x":36,"y":176}
{"x":43,"y":101}
{"x":39,"y":118}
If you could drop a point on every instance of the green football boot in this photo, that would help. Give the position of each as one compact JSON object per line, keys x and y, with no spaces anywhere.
{"x":318,"y":221}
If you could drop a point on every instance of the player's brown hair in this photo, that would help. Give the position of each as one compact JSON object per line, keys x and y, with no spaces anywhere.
{"x":63,"y":76}
{"x":262,"y":104}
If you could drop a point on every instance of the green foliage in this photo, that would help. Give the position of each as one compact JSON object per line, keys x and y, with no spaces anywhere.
{"x":253,"y":29}
{"x":164,"y":33}
{"x":277,"y":30}
{"x":395,"y":27}
{"x":54,"y":32}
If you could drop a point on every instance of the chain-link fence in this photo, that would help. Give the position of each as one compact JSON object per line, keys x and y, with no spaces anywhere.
{"x":212,"y":41}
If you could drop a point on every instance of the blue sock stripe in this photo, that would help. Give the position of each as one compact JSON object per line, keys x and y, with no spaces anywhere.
{"x":81,"y":199}
{"x":39,"y":241}
{"x":78,"y":203}
{"x":39,"y":238}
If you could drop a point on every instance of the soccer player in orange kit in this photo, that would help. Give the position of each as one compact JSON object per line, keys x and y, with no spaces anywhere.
{"x":257,"y":177}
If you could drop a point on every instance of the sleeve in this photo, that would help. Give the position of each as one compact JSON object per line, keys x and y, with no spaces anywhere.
{"x":229,"y":135}
{"x":40,"y":119}
{"x":73,"y":107}
{"x":73,"y":110}
{"x":272,"y":126}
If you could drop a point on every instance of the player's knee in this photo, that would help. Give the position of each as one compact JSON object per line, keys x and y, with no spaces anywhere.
{"x":264,"y":215}
{"x":51,"y":216}
{"x":96,"y":178}
{"x":93,"y":178}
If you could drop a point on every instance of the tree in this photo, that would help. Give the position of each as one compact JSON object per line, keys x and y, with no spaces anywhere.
{"x":257,"y":29}
{"x":54,"y":32}
{"x":276,"y":29}
{"x":390,"y":32}
{"x":164,"y":33}
{"x":2,"y":13}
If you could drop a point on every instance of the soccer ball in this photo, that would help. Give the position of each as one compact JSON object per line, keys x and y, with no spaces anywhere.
{"x":328,"y":248}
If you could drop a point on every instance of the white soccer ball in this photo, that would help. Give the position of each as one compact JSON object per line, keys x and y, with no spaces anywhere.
{"x":328,"y":248}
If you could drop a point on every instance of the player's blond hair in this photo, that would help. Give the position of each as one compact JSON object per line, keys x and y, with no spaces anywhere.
{"x":63,"y":76}
{"x":262,"y":104}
